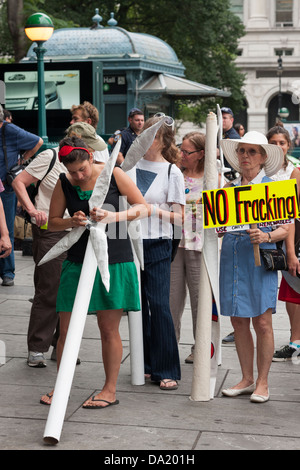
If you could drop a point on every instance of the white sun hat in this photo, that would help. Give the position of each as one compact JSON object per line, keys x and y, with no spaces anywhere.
{"x":274,"y":153}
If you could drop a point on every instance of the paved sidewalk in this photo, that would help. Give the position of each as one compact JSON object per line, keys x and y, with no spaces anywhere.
{"x":146,"y":418}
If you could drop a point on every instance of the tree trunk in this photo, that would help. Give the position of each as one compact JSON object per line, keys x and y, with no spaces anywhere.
{"x":16,"y":23}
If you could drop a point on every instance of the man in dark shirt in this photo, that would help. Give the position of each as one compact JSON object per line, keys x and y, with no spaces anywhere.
{"x":229,"y":133}
{"x":136,"y":123}
{"x":228,"y":130}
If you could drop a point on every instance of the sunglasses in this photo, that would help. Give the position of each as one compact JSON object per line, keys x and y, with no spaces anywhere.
{"x":251,"y":152}
{"x":169,"y":121}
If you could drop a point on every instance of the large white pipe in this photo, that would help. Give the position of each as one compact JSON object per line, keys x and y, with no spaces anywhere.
{"x":203,"y":383}
{"x":135,"y":320}
{"x":71,"y":348}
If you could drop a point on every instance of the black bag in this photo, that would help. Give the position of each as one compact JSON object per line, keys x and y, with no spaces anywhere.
{"x":297,"y":241}
{"x":13,"y":173}
{"x":274,"y":259}
{"x":32,"y":189}
{"x":15,"y":170}
{"x":175,"y":240}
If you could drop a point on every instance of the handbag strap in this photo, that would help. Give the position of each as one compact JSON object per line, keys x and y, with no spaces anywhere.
{"x":48,"y":171}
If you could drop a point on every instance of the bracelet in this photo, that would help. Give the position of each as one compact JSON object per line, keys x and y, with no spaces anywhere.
{"x":270,"y":239}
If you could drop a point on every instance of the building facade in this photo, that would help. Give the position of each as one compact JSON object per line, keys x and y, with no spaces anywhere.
{"x":269,"y":55}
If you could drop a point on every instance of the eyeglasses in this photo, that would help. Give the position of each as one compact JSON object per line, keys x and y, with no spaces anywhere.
{"x":251,"y":152}
{"x":186,"y":153}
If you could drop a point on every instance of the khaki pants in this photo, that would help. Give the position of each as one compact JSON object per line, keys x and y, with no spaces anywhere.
{"x":43,"y":317}
{"x":185,"y":275}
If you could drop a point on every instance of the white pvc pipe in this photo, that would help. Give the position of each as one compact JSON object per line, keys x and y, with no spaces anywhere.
{"x":201,"y":370}
{"x":71,"y":348}
{"x":203,"y":383}
{"x":135,"y":323}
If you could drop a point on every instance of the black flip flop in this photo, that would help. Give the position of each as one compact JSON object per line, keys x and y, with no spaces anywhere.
{"x":109,"y":403}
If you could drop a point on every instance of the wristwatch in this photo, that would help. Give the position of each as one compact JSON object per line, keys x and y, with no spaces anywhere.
{"x":269,"y":239}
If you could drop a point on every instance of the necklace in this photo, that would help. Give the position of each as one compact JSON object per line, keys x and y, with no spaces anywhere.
{"x":192,"y":185}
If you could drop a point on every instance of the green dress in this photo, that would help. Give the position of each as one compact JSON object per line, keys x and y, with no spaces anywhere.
{"x":124,"y":285}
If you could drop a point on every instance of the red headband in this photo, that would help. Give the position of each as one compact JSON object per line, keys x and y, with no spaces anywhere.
{"x":66,"y":149}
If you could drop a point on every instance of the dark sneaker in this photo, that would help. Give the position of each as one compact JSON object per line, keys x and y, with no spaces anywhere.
{"x":7,"y":281}
{"x":229,"y":338}
{"x":283,"y":354}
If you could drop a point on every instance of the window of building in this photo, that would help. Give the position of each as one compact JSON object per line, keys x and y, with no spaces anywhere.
{"x":284,"y":51}
{"x":237,"y":7}
{"x":284,"y":13}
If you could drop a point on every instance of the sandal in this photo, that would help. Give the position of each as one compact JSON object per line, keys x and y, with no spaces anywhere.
{"x":163,"y":384}
{"x":43,"y":402}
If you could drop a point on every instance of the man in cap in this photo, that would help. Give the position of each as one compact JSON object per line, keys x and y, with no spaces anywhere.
{"x":229,"y":133}
{"x":136,"y":123}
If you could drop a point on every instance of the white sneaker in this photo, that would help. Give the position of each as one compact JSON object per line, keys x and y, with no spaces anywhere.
{"x":36,"y":359}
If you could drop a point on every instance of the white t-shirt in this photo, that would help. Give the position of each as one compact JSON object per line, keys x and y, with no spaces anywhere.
{"x":162,"y":190}
{"x":284,"y":173}
{"x":38,"y":168}
{"x":101,"y":155}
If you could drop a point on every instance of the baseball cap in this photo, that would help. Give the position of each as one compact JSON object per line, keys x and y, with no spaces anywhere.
{"x":134,"y":111}
{"x":87,"y":133}
{"x":227,"y":110}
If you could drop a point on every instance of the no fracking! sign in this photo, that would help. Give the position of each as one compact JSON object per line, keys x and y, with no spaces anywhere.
{"x":250,"y":204}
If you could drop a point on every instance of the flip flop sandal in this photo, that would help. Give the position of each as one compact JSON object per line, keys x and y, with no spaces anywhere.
{"x":109,"y":403}
{"x":165,"y":382}
{"x":45,"y":402}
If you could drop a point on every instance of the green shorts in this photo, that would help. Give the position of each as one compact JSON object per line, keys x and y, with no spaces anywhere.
{"x":123,"y":294}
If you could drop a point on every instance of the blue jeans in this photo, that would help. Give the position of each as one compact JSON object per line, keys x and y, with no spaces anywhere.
{"x":160,"y":345}
{"x":9,"y":200}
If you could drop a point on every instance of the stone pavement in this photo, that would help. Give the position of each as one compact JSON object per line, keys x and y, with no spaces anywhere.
{"x":147,"y":418}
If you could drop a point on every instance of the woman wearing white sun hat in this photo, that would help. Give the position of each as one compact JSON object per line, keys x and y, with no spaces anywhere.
{"x":248,"y":291}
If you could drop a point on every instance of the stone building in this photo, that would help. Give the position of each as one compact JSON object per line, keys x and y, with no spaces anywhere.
{"x":269,"y":55}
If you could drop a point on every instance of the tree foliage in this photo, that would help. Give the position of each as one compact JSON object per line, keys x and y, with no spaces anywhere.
{"x":203,"y":34}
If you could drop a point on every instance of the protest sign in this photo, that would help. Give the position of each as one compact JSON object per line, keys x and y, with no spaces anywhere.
{"x":250,"y":204}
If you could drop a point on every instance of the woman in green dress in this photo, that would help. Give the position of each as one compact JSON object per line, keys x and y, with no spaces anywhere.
{"x":72,"y":192}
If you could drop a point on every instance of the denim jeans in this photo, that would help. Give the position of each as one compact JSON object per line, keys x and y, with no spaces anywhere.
{"x":160,"y":345}
{"x":9,"y":200}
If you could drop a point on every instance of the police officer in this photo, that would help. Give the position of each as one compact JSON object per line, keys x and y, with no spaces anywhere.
{"x":229,"y":133}
{"x":136,"y":123}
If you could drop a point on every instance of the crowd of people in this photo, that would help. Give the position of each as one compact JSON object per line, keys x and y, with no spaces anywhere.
{"x":167,"y":194}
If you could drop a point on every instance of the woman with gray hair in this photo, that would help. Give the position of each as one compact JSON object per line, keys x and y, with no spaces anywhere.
{"x":249,"y":292}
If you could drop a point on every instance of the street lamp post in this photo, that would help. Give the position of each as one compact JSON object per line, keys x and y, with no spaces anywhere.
{"x":39,"y":28}
{"x":279,"y":74}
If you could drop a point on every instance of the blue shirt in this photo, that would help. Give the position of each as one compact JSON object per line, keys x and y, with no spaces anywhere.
{"x":17,"y":140}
